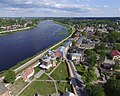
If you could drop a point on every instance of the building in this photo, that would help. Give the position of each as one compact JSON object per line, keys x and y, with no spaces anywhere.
{"x":77,"y":34}
{"x":115,"y":55}
{"x":62,"y":49}
{"x":57,"y":53}
{"x":67,"y":93}
{"x":3,"y":90}
{"x":53,"y":61}
{"x":67,"y":45}
{"x":79,"y":42}
{"x":77,"y":56}
{"x":90,"y":30}
{"x":26,"y":74}
{"x":48,"y":62}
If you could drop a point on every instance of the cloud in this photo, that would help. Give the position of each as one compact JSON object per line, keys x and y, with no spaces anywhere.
{"x":102,"y":6}
{"x":48,"y":4}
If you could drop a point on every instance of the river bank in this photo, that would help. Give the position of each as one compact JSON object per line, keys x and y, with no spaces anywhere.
{"x":25,"y":62}
{"x":16,"y":30}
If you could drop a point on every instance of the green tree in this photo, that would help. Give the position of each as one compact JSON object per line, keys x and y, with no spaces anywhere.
{"x":10,"y":76}
{"x":100,"y":47}
{"x":112,"y":87}
{"x":102,"y":58}
{"x":95,"y":90}
{"x":84,"y":33}
{"x":91,"y":55}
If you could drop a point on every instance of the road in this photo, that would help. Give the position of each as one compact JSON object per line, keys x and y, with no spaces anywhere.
{"x":76,"y":80}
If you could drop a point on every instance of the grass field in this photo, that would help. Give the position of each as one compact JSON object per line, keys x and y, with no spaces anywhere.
{"x":60,"y":72}
{"x":17,"y":86}
{"x":62,"y":87}
{"x":44,"y":77}
{"x":42,"y":88}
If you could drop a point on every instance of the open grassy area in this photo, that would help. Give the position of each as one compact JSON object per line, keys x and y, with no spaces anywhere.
{"x":60,"y":73}
{"x":17,"y":86}
{"x":44,"y":77}
{"x":62,"y":87}
{"x":43,"y":88}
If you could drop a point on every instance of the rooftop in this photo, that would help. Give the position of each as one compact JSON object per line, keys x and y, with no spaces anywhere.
{"x":115,"y":52}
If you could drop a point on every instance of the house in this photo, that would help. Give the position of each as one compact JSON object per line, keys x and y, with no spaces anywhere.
{"x":115,"y":55}
{"x":67,"y":45}
{"x":90,"y":30}
{"x":79,"y":42}
{"x":77,"y":34}
{"x":77,"y":56}
{"x":3,"y":90}
{"x":107,"y":66}
{"x":26,"y":74}
{"x":67,"y":93}
{"x":53,"y":61}
{"x":103,"y":30}
{"x":48,"y":62}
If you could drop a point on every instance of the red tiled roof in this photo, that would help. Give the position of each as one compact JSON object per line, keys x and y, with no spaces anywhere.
{"x":115,"y":53}
{"x":27,"y":72}
{"x":58,"y":54}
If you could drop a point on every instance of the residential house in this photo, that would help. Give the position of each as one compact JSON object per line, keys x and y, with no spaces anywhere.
{"x":67,"y":93}
{"x":103,"y":30}
{"x":79,"y":42}
{"x":90,"y":30}
{"x":77,"y":35}
{"x":53,"y":61}
{"x":77,"y":56}
{"x":115,"y":55}
{"x":87,"y":44}
{"x":26,"y":74}
{"x":3,"y":90}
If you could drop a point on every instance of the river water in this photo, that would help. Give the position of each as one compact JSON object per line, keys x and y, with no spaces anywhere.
{"x":21,"y":45}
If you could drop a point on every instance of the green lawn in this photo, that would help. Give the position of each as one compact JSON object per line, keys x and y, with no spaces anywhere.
{"x":17,"y":86}
{"x":44,"y":77}
{"x":62,"y":87}
{"x":60,"y":73}
{"x":43,"y":88}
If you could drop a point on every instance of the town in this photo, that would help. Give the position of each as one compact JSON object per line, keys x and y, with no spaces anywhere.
{"x":87,"y":63}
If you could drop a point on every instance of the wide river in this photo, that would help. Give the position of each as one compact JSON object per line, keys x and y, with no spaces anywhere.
{"x":21,"y":45}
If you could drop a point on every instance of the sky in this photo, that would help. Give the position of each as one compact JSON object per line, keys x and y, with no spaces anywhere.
{"x":59,"y":8}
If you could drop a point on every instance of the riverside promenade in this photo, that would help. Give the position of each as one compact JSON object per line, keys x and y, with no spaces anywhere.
{"x":42,"y":54}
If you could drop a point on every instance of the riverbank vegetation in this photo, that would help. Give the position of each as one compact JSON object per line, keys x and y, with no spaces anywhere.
{"x":12,"y":25}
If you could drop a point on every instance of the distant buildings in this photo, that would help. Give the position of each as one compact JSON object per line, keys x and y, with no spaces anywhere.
{"x":3,"y":90}
{"x":26,"y":74}
{"x":115,"y":55}
{"x":84,"y":43}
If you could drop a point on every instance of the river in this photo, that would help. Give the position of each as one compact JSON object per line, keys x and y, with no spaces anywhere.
{"x":21,"y":45}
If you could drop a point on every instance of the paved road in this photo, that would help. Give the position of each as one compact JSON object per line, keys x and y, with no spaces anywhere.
{"x":76,"y":80}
